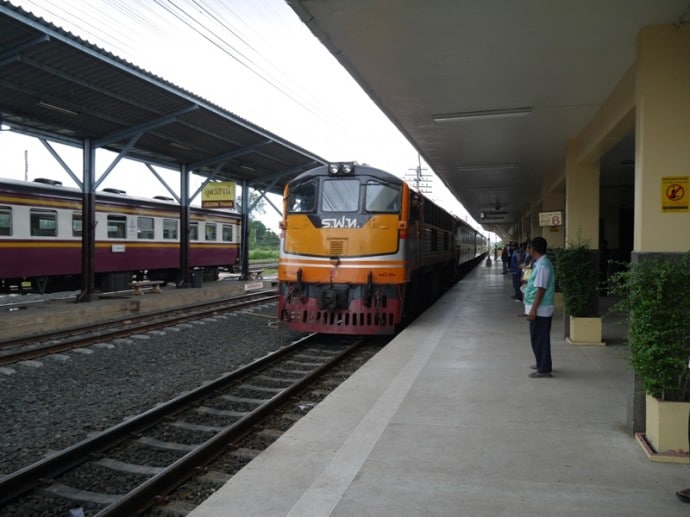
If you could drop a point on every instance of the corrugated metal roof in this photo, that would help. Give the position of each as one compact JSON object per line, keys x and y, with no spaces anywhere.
{"x":56,"y":85}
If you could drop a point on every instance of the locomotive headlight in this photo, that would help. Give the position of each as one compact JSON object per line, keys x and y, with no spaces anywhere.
{"x":344,"y":168}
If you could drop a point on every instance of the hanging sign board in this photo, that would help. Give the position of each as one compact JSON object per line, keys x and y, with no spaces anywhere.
{"x":551,"y":218}
{"x":218,"y":195}
{"x":674,"y":194}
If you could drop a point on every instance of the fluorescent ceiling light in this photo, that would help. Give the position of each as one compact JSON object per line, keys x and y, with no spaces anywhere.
{"x":59,"y":109}
{"x":487,"y":167}
{"x":180,"y":146}
{"x":483,"y":115}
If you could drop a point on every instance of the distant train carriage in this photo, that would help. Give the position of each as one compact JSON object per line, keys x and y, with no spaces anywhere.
{"x":41,"y":235}
{"x":361,"y":252}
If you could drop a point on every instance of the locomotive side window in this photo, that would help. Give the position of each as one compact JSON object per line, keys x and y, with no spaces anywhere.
{"x":170,"y":228}
{"x":382,"y":198}
{"x":340,"y":196}
{"x":211,"y":232}
{"x":5,"y":220}
{"x":117,"y":226}
{"x":145,"y":227}
{"x":43,"y":223}
{"x":302,"y":198}
{"x":194,"y":232}
{"x":227,"y":233}
{"x":76,"y":224}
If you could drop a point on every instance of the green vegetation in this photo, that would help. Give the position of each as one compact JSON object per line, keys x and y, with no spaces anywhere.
{"x":263,"y":243}
{"x":576,"y":275}
{"x":656,"y":304}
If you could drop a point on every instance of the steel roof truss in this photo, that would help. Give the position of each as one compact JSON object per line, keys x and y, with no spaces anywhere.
{"x":64,"y":165}
{"x":119,"y":157}
{"x":14,"y":54}
{"x":145,"y":127}
{"x":224,"y":158}
{"x":162,"y":181}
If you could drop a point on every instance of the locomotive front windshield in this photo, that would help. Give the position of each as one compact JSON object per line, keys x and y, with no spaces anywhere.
{"x":340,"y":196}
{"x":343,"y":196}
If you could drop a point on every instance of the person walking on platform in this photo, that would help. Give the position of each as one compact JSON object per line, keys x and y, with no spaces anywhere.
{"x":516,"y":270}
{"x":505,"y":258}
{"x":539,"y":307}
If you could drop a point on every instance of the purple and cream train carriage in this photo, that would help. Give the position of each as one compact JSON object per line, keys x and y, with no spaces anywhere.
{"x":41,"y":237}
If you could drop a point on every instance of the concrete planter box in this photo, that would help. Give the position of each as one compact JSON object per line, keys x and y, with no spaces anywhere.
{"x":585,"y":331}
{"x":666,"y":431}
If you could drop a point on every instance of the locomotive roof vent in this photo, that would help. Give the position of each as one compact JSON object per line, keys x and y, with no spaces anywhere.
{"x":48,"y":181}
{"x":114,"y":191}
{"x":163,"y":198}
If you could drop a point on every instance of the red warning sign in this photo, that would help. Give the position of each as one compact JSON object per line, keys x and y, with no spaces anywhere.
{"x":674,"y":194}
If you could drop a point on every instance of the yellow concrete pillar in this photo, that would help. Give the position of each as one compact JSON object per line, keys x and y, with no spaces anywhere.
{"x":553,"y":201}
{"x":581,"y":199}
{"x":662,"y":132}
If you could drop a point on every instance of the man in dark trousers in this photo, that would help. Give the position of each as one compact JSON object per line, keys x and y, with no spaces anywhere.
{"x":539,"y":307}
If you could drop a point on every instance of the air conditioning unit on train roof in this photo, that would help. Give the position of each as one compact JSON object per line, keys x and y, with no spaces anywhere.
{"x":114,"y":191}
{"x":48,"y":181}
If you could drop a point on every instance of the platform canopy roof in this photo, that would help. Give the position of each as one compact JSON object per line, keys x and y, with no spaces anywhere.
{"x":57,"y":86}
{"x":491,"y":92}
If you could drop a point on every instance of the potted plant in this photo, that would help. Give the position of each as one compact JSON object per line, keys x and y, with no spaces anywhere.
{"x":656,"y":304}
{"x":577,"y":275}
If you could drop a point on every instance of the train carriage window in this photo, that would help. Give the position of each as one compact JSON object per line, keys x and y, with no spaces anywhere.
{"x":340,"y":196}
{"x":170,"y":228}
{"x":5,"y":220}
{"x":194,"y":231}
{"x":43,"y":223}
{"x":117,"y":226}
{"x":227,"y":233}
{"x":145,"y":228}
{"x":382,"y":198}
{"x":76,"y":224}
{"x":302,"y":198}
{"x":211,"y":232}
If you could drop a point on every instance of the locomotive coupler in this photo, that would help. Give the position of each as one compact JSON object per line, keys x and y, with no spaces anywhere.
{"x":369,"y":290}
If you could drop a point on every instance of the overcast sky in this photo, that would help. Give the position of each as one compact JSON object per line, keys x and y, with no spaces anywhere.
{"x":253,"y":58}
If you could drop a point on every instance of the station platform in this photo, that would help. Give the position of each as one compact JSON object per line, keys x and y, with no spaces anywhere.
{"x":25,"y":319}
{"x":445,"y":421}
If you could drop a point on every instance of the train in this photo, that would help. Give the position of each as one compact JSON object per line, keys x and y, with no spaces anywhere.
{"x":362,"y":252}
{"x":41,"y":238}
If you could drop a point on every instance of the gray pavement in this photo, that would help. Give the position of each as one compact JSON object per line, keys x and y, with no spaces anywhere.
{"x":445,"y":421}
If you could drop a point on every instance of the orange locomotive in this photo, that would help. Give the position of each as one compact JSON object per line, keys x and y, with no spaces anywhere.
{"x":361,"y":252}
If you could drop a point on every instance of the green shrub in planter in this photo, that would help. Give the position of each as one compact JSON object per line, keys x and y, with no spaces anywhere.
{"x":577,"y":277}
{"x":656,"y":302}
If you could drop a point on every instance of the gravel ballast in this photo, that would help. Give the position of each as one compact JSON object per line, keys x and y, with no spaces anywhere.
{"x":56,"y":401}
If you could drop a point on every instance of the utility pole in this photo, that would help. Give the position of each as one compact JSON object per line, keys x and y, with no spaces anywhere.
{"x":421,"y":182}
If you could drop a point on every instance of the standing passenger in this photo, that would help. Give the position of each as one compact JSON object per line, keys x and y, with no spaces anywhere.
{"x":516,"y":270}
{"x":539,"y":307}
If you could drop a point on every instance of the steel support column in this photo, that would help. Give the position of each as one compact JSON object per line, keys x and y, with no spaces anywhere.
{"x":88,"y":235}
{"x":185,"y":272}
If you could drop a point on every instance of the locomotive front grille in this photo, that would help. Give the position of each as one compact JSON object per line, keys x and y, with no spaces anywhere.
{"x":336,"y":247}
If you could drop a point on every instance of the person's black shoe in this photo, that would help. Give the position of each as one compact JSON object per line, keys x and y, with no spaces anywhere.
{"x":539,"y":375}
{"x":684,"y":495}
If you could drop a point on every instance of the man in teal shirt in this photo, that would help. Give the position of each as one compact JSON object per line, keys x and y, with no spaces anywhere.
{"x":539,"y":307}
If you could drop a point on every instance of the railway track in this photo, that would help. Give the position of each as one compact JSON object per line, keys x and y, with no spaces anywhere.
{"x":130,"y":467}
{"x":24,"y":349}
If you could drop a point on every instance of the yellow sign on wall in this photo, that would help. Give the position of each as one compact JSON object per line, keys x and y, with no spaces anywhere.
{"x":218,"y":195}
{"x":674,"y":194}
